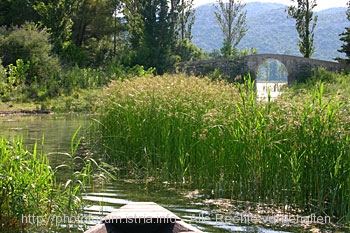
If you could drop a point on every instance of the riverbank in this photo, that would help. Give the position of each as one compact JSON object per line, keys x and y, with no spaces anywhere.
{"x":23,"y":112}
{"x":83,"y":101}
{"x":14,"y":108}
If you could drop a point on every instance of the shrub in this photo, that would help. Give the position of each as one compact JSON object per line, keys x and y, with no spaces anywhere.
{"x":188,"y":51}
{"x":3,"y":80}
{"x":88,"y":78}
{"x":338,"y":83}
{"x":73,"y":55}
{"x":32,"y":45}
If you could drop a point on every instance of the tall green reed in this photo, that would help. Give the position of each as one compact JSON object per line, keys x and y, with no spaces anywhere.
{"x":31,"y":187}
{"x":218,"y":137}
{"x":26,"y":179}
{"x":75,"y":172}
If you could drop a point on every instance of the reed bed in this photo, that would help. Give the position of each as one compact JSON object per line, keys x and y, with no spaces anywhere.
{"x":32,"y":192}
{"x":26,"y":180}
{"x":293,"y":152}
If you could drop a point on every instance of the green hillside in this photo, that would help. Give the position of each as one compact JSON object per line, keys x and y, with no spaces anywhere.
{"x":270,"y":31}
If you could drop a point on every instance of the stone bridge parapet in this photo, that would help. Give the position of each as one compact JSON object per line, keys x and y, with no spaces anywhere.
{"x":298,"y":68}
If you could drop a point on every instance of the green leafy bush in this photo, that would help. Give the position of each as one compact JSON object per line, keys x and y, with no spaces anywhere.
{"x":17,"y":75}
{"x":188,"y":51}
{"x":333,"y":83}
{"x":3,"y":80}
{"x":73,"y":55}
{"x":30,"y":44}
{"x":88,"y":78}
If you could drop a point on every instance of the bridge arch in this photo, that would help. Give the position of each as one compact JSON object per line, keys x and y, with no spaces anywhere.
{"x":271,"y":70}
{"x":298,"y":68}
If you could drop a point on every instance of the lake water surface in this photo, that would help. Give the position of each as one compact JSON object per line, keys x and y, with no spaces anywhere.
{"x":57,"y":130}
{"x":265,"y":88}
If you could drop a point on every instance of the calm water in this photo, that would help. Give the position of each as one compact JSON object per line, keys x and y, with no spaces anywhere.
{"x":56,"y":131}
{"x":263,"y":88}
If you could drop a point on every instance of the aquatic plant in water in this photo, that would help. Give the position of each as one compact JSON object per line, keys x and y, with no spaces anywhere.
{"x":31,"y":194}
{"x":217,"y":136}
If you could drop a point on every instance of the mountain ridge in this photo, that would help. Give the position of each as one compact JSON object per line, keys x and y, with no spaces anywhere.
{"x":271,"y":31}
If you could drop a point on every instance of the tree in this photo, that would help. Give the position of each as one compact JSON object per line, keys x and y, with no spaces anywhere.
{"x":305,"y":24}
{"x":182,"y":16}
{"x":155,"y":44}
{"x":186,"y":51}
{"x":94,"y":19}
{"x":118,"y":27}
{"x":56,"y":16}
{"x":185,"y":19}
{"x":94,"y":32}
{"x":232,"y":21}
{"x":345,"y":37}
{"x":16,"y":12}
{"x":154,"y":29}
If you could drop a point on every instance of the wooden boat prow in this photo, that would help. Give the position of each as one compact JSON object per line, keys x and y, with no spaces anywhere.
{"x":146,"y":217}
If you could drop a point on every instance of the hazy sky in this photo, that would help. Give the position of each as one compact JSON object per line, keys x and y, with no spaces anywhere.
{"x":322,"y":4}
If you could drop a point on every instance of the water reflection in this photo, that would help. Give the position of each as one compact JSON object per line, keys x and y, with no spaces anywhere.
{"x":200,"y":215}
{"x":52,"y":133}
{"x":264,"y":89}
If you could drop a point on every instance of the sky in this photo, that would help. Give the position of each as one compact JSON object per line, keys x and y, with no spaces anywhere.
{"x":322,"y":4}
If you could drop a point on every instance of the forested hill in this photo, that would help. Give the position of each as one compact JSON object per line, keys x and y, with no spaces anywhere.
{"x":270,"y":31}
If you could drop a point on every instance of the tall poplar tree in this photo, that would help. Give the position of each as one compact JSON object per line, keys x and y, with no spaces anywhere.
{"x":185,"y":19}
{"x":131,"y":9}
{"x":231,"y":18}
{"x":158,"y":37}
{"x":345,"y":37}
{"x":154,"y":28}
{"x":305,"y":24}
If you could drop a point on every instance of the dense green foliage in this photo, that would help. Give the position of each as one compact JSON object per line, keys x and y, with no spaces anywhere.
{"x":293,"y":152}
{"x":156,"y":28}
{"x":153,"y":47}
{"x":32,"y":69}
{"x":81,"y":25}
{"x":334,"y":84}
{"x":16,"y":12}
{"x":42,"y":51}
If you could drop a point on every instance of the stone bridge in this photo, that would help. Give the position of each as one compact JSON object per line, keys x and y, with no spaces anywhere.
{"x":298,"y":68}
